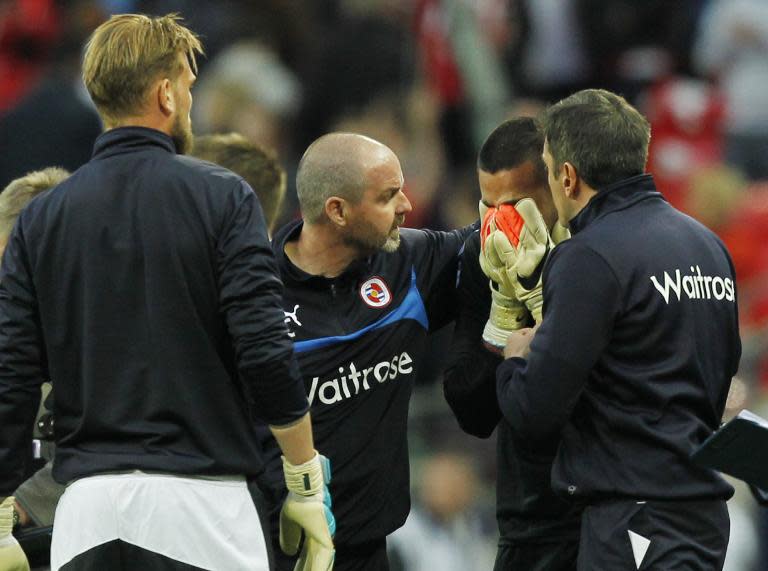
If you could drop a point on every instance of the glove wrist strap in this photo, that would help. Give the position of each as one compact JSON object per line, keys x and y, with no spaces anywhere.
{"x":305,"y":479}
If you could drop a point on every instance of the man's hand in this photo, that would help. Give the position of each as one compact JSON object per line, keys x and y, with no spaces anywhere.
{"x":307,"y":512}
{"x":519,"y":343}
{"x":12,"y":557}
{"x":24,"y":519}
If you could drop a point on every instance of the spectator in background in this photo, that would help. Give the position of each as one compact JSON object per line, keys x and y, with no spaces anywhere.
{"x":442,"y":532}
{"x":630,"y":44}
{"x":555,"y":62}
{"x":254,"y":163}
{"x":28,"y":31}
{"x":55,"y":122}
{"x":246,"y":88}
{"x":722,"y":199}
{"x":366,"y":54}
{"x":686,"y":117}
{"x":732,"y":48}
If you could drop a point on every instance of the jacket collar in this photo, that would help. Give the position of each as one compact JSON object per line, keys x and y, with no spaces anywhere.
{"x":614,"y":197}
{"x":128,"y":139}
{"x":290,"y":272}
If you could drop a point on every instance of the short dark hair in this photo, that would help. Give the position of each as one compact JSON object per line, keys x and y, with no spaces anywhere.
{"x":600,"y":134}
{"x":512,"y":144}
{"x":258,"y":166}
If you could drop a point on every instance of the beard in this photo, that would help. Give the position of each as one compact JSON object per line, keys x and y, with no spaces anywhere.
{"x":181,"y":135}
{"x":368,"y":240}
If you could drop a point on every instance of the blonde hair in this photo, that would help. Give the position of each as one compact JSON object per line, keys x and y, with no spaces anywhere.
{"x":127,"y":53}
{"x":19,"y":192}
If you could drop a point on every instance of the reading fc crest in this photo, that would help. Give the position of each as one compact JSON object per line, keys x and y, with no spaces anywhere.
{"x":375,"y":293}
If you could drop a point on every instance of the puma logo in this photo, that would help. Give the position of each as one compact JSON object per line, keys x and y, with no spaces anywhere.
{"x":291,"y":316}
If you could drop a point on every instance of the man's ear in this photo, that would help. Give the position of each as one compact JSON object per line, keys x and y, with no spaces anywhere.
{"x":165,"y":97}
{"x":337,"y":210}
{"x":571,"y":180}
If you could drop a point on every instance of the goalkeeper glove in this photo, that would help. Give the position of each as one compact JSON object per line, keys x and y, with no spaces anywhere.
{"x":12,"y":557}
{"x":507,"y":314}
{"x":515,"y":246}
{"x":307,"y":511}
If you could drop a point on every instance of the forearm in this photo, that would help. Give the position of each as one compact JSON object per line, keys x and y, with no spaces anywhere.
{"x":18,"y":406}
{"x":296,"y":440}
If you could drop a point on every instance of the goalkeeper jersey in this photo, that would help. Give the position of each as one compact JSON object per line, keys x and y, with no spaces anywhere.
{"x":360,"y":340}
{"x":526,"y":507}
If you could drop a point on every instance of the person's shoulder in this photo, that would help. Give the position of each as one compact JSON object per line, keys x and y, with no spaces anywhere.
{"x":472,"y":243}
{"x":579,"y":253}
{"x":207,"y":171}
{"x":209,"y":179}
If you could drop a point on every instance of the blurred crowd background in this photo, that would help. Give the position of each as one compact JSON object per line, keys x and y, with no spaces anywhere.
{"x":431,"y":79}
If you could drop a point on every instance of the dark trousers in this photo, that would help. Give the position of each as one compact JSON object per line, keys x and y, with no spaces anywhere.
{"x":560,"y":556}
{"x":371,"y":556}
{"x":654,"y":535}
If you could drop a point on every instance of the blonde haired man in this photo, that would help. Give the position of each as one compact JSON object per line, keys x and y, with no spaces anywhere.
{"x":146,"y":287}
{"x":20,"y":191}
{"x":39,"y":488}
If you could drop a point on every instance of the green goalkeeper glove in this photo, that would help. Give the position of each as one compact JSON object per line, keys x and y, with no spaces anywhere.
{"x":307,"y":512}
{"x":12,"y":557}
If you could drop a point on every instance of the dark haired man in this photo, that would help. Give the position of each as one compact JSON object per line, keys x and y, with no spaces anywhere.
{"x":632,"y":362}
{"x":538,"y":530}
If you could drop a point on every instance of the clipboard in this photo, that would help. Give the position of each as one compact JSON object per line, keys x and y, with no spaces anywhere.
{"x":738,"y":448}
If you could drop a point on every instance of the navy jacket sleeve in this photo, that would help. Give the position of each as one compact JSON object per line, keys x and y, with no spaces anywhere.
{"x":436,"y":257}
{"x":250,"y":294}
{"x":22,"y":362}
{"x":581,"y":301}
{"x":469,"y":382}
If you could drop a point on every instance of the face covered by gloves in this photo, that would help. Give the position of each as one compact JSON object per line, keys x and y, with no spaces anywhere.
{"x":515,"y":243}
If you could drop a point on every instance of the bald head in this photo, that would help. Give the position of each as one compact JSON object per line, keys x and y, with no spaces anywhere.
{"x":337,"y":164}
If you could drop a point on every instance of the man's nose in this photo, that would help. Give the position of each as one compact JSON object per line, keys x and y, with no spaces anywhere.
{"x":404,"y":207}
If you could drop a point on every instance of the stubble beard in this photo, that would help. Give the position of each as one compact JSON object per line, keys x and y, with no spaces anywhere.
{"x":182,"y":136}
{"x":367,"y":242}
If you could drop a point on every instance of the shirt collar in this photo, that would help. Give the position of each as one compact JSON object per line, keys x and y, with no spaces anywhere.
{"x":615,"y":196}
{"x":127,"y":139}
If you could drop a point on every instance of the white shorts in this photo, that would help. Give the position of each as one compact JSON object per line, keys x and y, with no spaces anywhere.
{"x":126,"y":521}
